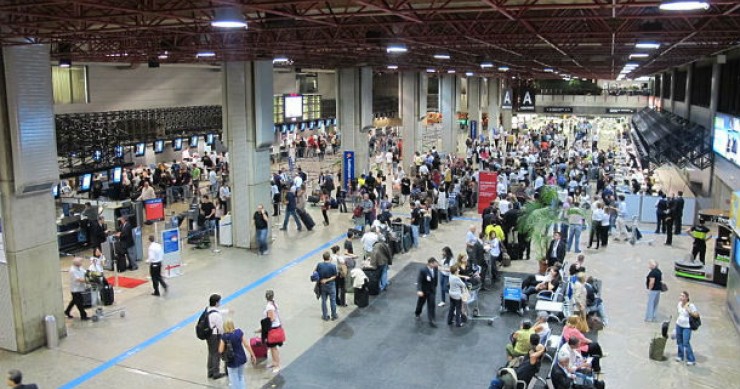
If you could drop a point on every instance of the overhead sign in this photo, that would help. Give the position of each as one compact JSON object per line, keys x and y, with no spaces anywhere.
{"x":558,"y":109}
{"x":621,"y":110}
{"x":348,"y":159}
{"x":526,"y":103}
{"x":507,"y":101}
{"x":473,"y":129}
{"x":486,"y":189}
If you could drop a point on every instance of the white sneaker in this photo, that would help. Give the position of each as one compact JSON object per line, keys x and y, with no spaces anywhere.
{"x":441,"y":304}
{"x":690,"y":363}
{"x":678,"y":359}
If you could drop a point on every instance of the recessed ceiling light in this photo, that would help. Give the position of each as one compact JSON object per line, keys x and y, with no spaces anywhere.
{"x":441,"y":56}
{"x":503,"y":68}
{"x":229,"y":17}
{"x":396,"y":48}
{"x":486,"y":64}
{"x":647,"y":45}
{"x":205,"y":54}
{"x":683,"y":5}
{"x":639,"y":55}
{"x":392,"y":67}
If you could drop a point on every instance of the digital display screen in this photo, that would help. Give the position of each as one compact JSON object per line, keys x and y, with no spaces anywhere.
{"x":116,"y":176}
{"x":177,"y":144}
{"x":285,"y":128}
{"x":727,"y":136}
{"x":85,"y":182}
{"x":320,"y":123}
{"x":140,"y":150}
{"x":158,"y":146}
{"x":210,"y":138}
{"x":97,"y":156}
{"x":304,"y":125}
{"x":736,"y":252}
{"x":119,"y":151}
{"x":293,"y":127}
{"x":293,"y":107}
{"x":194,"y":141}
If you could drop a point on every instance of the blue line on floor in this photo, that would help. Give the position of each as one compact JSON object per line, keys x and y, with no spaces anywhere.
{"x":191,"y":319}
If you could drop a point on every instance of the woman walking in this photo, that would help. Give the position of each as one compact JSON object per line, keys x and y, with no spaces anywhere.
{"x":235,"y":338}
{"x":457,"y":289}
{"x":686,"y":311}
{"x":444,"y":273}
{"x":271,"y":323}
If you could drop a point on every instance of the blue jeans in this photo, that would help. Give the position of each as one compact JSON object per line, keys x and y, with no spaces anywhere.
{"x":574,"y":234}
{"x":415,"y":234}
{"x":427,"y":225}
{"x":329,"y":290}
{"x":683,"y":340}
{"x":444,"y":286}
{"x":288,"y":213}
{"x":383,"y":277}
{"x":564,"y":230}
{"x":652,"y":305}
{"x":236,"y":377}
{"x":262,"y":239}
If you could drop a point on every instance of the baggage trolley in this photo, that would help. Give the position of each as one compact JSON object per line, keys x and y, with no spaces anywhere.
{"x":636,"y":235}
{"x":511,"y":296}
{"x":96,"y":282}
{"x":473,"y":302}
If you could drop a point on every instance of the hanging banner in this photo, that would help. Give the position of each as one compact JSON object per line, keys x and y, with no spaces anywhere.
{"x":473,"y":129}
{"x":2,"y":243}
{"x":487,"y":182}
{"x":526,"y":101}
{"x":507,"y":100}
{"x":348,"y":164}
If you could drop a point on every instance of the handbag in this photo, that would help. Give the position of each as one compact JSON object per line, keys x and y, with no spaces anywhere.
{"x":694,"y":322}
{"x":663,"y":287}
{"x":465,"y":296}
{"x":315,"y":276}
{"x":276,"y":335}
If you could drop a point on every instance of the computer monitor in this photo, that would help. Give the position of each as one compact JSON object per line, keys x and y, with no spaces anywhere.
{"x":116,"y":175}
{"x":304,"y":126}
{"x":119,"y":150}
{"x":285,"y":128}
{"x":293,"y":127}
{"x":194,"y":141}
{"x":320,"y":123}
{"x":210,"y":138}
{"x":177,"y":144}
{"x":140,"y":149}
{"x":97,"y":155}
{"x":158,"y":146}
{"x":85,"y":182}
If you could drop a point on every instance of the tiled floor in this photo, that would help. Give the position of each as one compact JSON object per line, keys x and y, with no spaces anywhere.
{"x":154,"y":346}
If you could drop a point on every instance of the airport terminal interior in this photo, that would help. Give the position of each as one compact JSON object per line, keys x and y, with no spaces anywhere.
{"x":365,"y":193}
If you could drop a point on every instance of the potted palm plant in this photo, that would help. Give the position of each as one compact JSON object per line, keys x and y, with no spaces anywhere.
{"x":535,"y":220}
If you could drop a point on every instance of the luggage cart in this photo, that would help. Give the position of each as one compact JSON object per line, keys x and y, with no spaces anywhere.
{"x":473,"y":302}
{"x":511,"y":296}
{"x":96,"y":282}
{"x":636,"y":235}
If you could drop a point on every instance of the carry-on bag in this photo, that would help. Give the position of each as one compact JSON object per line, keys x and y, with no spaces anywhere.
{"x":306,"y":219}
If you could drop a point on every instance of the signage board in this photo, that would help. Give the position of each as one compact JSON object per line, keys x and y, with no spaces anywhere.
{"x":621,"y":110}
{"x":558,"y":109}
{"x":507,"y":100}
{"x":154,"y":209}
{"x":473,"y":129}
{"x":348,"y":166}
{"x":486,"y":189}
{"x":526,"y":101}
{"x":172,"y":262}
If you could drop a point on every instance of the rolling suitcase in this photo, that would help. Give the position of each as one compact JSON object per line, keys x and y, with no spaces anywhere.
{"x":87,"y":300}
{"x":259,"y":348}
{"x":434,"y":223}
{"x":107,"y":294}
{"x":313,"y":200}
{"x":306,"y":219}
{"x":362,"y":297}
{"x":373,"y":285}
{"x":657,"y":344}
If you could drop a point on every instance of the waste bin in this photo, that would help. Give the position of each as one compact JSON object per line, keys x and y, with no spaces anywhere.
{"x":52,"y":335}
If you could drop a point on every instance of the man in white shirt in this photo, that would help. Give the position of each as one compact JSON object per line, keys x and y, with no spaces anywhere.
{"x":147,"y":192}
{"x":155,"y":257}
{"x":216,"y":323}
{"x":77,"y":287}
{"x":368,"y":241}
{"x":224,"y":194}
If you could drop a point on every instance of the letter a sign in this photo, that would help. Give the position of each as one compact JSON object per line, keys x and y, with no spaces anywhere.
{"x":506,"y":100}
{"x":526,"y":104}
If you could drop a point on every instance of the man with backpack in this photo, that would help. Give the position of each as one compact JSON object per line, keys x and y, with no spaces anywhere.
{"x":209,"y":328}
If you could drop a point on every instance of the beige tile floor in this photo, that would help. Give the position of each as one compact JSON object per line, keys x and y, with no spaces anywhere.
{"x":153,"y":348}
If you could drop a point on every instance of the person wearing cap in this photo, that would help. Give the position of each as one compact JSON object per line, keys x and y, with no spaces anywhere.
{"x":700,"y":234}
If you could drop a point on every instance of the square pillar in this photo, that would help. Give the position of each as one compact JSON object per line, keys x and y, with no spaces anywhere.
{"x":494,"y":104}
{"x":248,"y":113}
{"x":412,"y":92}
{"x":355,"y":112}
{"x":448,"y":97}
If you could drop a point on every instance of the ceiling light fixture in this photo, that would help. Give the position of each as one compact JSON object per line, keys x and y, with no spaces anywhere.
{"x":486,"y":65}
{"x":280,"y":60}
{"x":441,"y":56}
{"x":647,"y":45}
{"x":548,"y":70}
{"x":468,"y":74}
{"x":430,"y":70}
{"x":205,"y":54}
{"x":451,"y":71}
{"x":683,"y":5}
{"x":503,"y":68}
{"x":229,"y":17}
{"x":396,"y":48}
{"x":631,"y":65}
{"x":65,"y":62}
{"x":392,"y":67}
{"x":639,"y":55}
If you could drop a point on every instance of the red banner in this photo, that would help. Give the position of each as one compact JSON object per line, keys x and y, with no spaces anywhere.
{"x":487,"y":182}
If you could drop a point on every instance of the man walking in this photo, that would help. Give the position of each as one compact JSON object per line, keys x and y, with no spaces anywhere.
{"x":216,"y":324}
{"x":261,"y":220}
{"x":155,"y":257}
{"x":700,"y":234}
{"x":327,"y":278}
{"x":290,"y":209}
{"x":126,"y":235}
{"x":77,"y":288}
{"x":426,"y":289}
{"x":653,"y":285}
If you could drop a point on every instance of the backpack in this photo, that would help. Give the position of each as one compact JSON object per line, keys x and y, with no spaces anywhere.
{"x":203,"y":328}
{"x":228,"y":354}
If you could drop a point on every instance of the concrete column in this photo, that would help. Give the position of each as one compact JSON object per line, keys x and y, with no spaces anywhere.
{"x":494,"y":103}
{"x":671,"y":104}
{"x":474,"y":97}
{"x":713,"y":103}
{"x":30,"y":282}
{"x":248,"y":113}
{"x":448,"y":97}
{"x":355,"y":112}
{"x":460,"y":105}
{"x":409,"y":101}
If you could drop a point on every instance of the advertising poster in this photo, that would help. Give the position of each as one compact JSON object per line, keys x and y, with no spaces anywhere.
{"x":486,"y":189}
{"x":348,"y":159}
{"x":172,"y":262}
{"x":154,"y":210}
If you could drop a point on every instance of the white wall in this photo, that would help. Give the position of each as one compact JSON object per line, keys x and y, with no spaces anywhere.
{"x":114,"y":89}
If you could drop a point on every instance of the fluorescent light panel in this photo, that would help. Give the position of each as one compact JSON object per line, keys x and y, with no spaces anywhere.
{"x":486,"y":65}
{"x":503,"y":68}
{"x":683,"y":5}
{"x":441,"y":56}
{"x":639,"y":55}
{"x":647,"y":45}
{"x":204,"y":54}
{"x":393,"y":67}
{"x":228,"y":17}
{"x":396,"y":48}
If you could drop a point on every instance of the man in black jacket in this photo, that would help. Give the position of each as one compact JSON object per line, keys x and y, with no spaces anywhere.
{"x":98,"y":233}
{"x":660,"y":210}
{"x":677,"y":213}
{"x":426,"y":289}
{"x":556,"y":250}
{"x":562,"y":378}
{"x":127,"y":241}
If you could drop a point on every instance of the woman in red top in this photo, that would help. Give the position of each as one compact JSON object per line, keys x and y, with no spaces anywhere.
{"x":587,"y":346}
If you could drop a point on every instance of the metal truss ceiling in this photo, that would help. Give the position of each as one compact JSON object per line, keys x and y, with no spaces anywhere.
{"x":591,"y":39}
